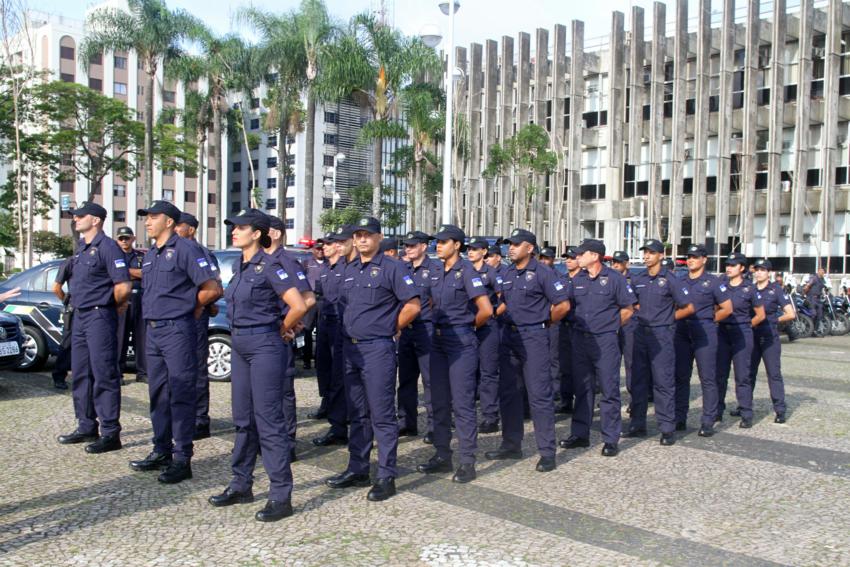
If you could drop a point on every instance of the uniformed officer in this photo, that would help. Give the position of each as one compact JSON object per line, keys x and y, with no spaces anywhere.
{"x":533,"y":297}
{"x":547,"y":258}
{"x":696,"y":338}
{"x":604,"y":302}
{"x":329,"y":360}
{"x":131,"y":321}
{"x":381,"y":299}
{"x":735,"y":339}
{"x":178,"y":285}
{"x":100,"y":287}
{"x":461,"y":306}
{"x":313,"y":266}
{"x":813,"y":290}
{"x":187,"y":228}
{"x":63,"y":359}
{"x":662,"y":300}
{"x":260,"y":296}
{"x":389,"y":247}
{"x":566,"y":386}
{"x":414,"y":344}
{"x":488,"y":338}
{"x":620,"y":262}
{"x":766,"y":344}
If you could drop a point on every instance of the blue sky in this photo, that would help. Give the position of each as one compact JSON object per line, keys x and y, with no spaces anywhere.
{"x":477,"y":20}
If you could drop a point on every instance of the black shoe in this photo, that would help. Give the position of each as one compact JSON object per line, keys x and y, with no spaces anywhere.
{"x":60,"y":384}
{"x":634,"y":433}
{"x":573,"y":442}
{"x":610,"y":450}
{"x":201,"y":432}
{"x":153,"y":462}
{"x":735,"y":412}
{"x":435,"y":464}
{"x":428,"y":439}
{"x":230,"y":497}
{"x":320,"y":413}
{"x":681,"y":426}
{"x":503,"y":454}
{"x":177,"y":471}
{"x":780,"y":418}
{"x":465,"y":473}
{"x":408,"y":432}
{"x":564,"y":409}
{"x":347,"y":479}
{"x":545,"y":464}
{"x":382,"y":489}
{"x":745,"y":423}
{"x":104,"y":445}
{"x":142,"y":379}
{"x":330,"y":438}
{"x":292,"y":456}
{"x":719,"y":418}
{"x":75,"y":437}
{"x":668,"y":439}
{"x":488,"y":427}
{"x":706,"y":431}
{"x":274,"y":510}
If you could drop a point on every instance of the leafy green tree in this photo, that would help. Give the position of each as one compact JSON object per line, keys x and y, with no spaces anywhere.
{"x":47,"y":242}
{"x":361,"y":200}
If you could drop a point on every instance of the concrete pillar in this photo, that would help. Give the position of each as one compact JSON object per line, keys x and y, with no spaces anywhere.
{"x":747,"y":191}
{"x":558,"y":133}
{"x":777,"y":112}
{"x":636,"y":57}
{"x":523,"y":87}
{"x":616,"y":117}
{"x":656,"y":117}
{"x":724,"y":122}
{"x":801,"y":119}
{"x":475,"y":86}
{"x":680,"y":90}
{"x":829,"y":149}
{"x":506,"y":120}
{"x":541,"y":74}
{"x":488,"y":133}
{"x":700,"y":203}
{"x":460,"y":187}
{"x":573,"y":213}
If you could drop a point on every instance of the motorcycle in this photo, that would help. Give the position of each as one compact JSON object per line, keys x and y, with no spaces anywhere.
{"x":804,"y":325}
{"x":837,"y":322}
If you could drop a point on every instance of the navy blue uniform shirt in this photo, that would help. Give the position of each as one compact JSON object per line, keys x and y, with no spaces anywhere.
{"x":453,"y":293}
{"x":134,"y":259}
{"x":529,"y":293}
{"x":817,"y":286}
{"x":253,"y":295}
{"x":492,"y":282}
{"x":329,"y":287}
{"x":374,"y":294}
{"x":744,"y":297}
{"x":599,"y":300}
{"x":658,"y":297}
{"x":705,"y":292}
{"x":97,"y":267}
{"x":424,"y":276}
{"x":774,"y":301}
{"x":295,"y":270}
{"x":63,"y":276}
{"x":171,"y":276}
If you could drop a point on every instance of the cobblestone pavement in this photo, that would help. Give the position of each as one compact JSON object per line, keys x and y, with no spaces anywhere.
{"x":774,"y":494}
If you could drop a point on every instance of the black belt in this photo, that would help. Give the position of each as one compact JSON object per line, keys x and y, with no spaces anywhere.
{"x":362,"y":341}
{"x":543,"y":325}
{"x":256,"y":329}
{"x":95,"y":308}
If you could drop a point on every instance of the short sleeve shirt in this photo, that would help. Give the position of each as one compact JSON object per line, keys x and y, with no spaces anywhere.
{"x":97,"y":267}
{"x":424,"y":276}
{"x":774,"y":300}
{"x":817,"y":286}
{"x":744,"y":298}
{"x":530,"y":292}
{"x":171,"y":276}
{"x":599,"y":300}
{"x":253,"y":294}
{"x":705,"y":292}
{"x":658,"y":297}
{"x":454,"y":292}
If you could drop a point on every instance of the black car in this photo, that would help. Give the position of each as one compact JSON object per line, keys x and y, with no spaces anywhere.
{"x":11,"y":341}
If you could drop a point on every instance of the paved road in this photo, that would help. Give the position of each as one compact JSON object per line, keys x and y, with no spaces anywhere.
{"x":771,"y":495}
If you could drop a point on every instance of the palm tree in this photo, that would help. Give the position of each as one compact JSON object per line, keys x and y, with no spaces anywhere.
{"x":372,"y":62}
{"x":154,"y":32}
{"x":422,"y":104}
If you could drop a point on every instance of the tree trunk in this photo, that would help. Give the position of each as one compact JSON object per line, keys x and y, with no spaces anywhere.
{"x":377,"y":177}
{"x":201,"y":193}
{"x":282,"y":169}
{"x":148,"y":178}
{"x":30,"y":192}
{"x":254,"y":187}
{"x":219,"y":174}
{"x":416,"y":197}
{"x":309,"y":165}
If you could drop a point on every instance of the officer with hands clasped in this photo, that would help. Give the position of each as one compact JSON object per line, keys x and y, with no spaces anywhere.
{"x":381,"y":298}
{"x":260,"y":295}
{"x":99,"y":287}
{"x":178,"y":285}
{"x":620,"y":262}
{"x":662,"y":300}
{"x":461,"y":305}
{"x":132,"y":320}
{"x":534,"y":297}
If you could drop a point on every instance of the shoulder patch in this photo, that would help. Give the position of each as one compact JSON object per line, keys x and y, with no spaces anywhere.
{"x":281,"y":274}
{"x":476,"y":282}
{"x":722,"y":287}
{"x":301,"y":275}
{"x":120,"y":264}
{"x":202,"y":262}
{"x":558,"y":285}
{"x":408,"y":280}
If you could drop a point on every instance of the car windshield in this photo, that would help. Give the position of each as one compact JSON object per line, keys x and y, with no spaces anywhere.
{"x":228,"y":258}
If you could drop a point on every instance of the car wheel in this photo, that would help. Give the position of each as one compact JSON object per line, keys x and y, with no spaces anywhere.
{"x":218,"y":362}
{"x":35,"y":350}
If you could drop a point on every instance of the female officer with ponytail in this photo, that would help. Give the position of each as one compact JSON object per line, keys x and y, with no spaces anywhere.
{"x":255,"y":311}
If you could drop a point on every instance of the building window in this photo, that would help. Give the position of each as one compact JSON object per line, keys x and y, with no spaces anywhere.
{"x":813,"y":178}
{"x":96,"y":59}
{"x":235,"y":206}
{"x":330,"y":118}
{"x":211,"y":175}
{"x":290,"y":202}
{"x":272,"y":141}
{"x":271,"y":162}
{"x":140,"y":90}
{"x":119,"y":216}
{"x":169,"y":96}
{"x":189,"y":196}
{"x":271,"y":183}
{"x":120,"y":62}
{"x":330,"y":139}
{"x":290,"y":223}
{"x":210,"y":222}
{"x":236,"y":187}
{"x":168,"y":195}
{"x":271,"y":78}
{"x":66,"y":53}
{"x":255,"y":124}
{"x":119,"y":191}
{"x":256,"y":164}
{"x":236,"y":166}
{"x":96,"y":84}
{"x":66,"y":77}
{"x":255,"y":103}
{"x":168,"y":172}
{"x":120,"y":88}
{"x":271,"y":204}
{"x":66,"y":186}
{"x":211,"y":199}
{"x":328,"y":161}
{"x":290,"y":181}
{"x":592,"y":192}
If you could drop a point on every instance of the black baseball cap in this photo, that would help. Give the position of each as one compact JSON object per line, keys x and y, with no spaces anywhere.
{"x":620,"y":256}
{"x":478,"y":243}
{"x":343,"y":233}
{"x":736,"y":259}
{"x":415,"y":237}
{"x":256,"y":219}
{"x":369,"y":224}
{"x":494,"y":251}
{"x":187,"y":218}
{"x":388,"y":244}
{"x":653,"y":245}
{"x":591,"y":245}
{"x":124,"y":231}
{"x":520,"y":235}
{"x":89,"y":208}
{"x":697,"y":250}
{"x":763,"y":263}
{"x":450,"y":232}
{"x":161,"y":207}
{"x":547,"y":252}
{"x":667,"y":262}
{"x":276,"y":223}
{"x":572,"y":252}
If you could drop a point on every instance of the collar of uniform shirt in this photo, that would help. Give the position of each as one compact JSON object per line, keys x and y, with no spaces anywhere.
{"x":255,"y":259}
{"x":172,"y":240}
{"x":531,"y":265}
{"x":94,"y":241}
{"x":378,"y":259}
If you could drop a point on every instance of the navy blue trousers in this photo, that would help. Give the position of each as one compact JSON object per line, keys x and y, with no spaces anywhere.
{"x":414,"y":358}
{"x":488,"y":370}
{"x":696,"y":340}
{"x":132,"y":321}
{"x":258,"y":415}
{"x":454,"y":359}
{"x":554,"y":359}
{"x":596,"y":358}
{"x":370,"y":379}
{"x":202,"y":387}
{"x":96,"y":382}
{"x":653,"y":362}
{"x":172,"y":379}
{"x":524,"y":359}
{"x":289,"y":402}
{"x":735,"y":347}
{"x":626,"y":335}
{"x":767,"y":348}
{"x":565,"y":366}
{"x":329,"y":361}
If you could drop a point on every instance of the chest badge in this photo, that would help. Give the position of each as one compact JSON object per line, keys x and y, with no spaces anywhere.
{"x":458,"y":275}
{"x":258,"y":269}
{"x":706,"y":283}
{"x":92,"y":251}
{"x":425,"y":274}
{"x":529,"y":276}
{"x":169,"y":254}
{"x":662,"y":283}
{"x":603,"y":281}
{"x":746,"y":290}
{"x":374,"y":272}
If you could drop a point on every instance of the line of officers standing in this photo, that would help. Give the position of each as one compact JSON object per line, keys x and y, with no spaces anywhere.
{"x":475,"y":330}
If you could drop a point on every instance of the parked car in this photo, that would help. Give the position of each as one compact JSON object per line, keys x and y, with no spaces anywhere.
{"x":11,"y":341}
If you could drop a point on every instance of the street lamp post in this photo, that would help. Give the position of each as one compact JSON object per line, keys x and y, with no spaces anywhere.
{"x":338,"y":159}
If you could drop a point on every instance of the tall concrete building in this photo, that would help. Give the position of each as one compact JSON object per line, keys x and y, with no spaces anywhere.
{"x":727,"y":126}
